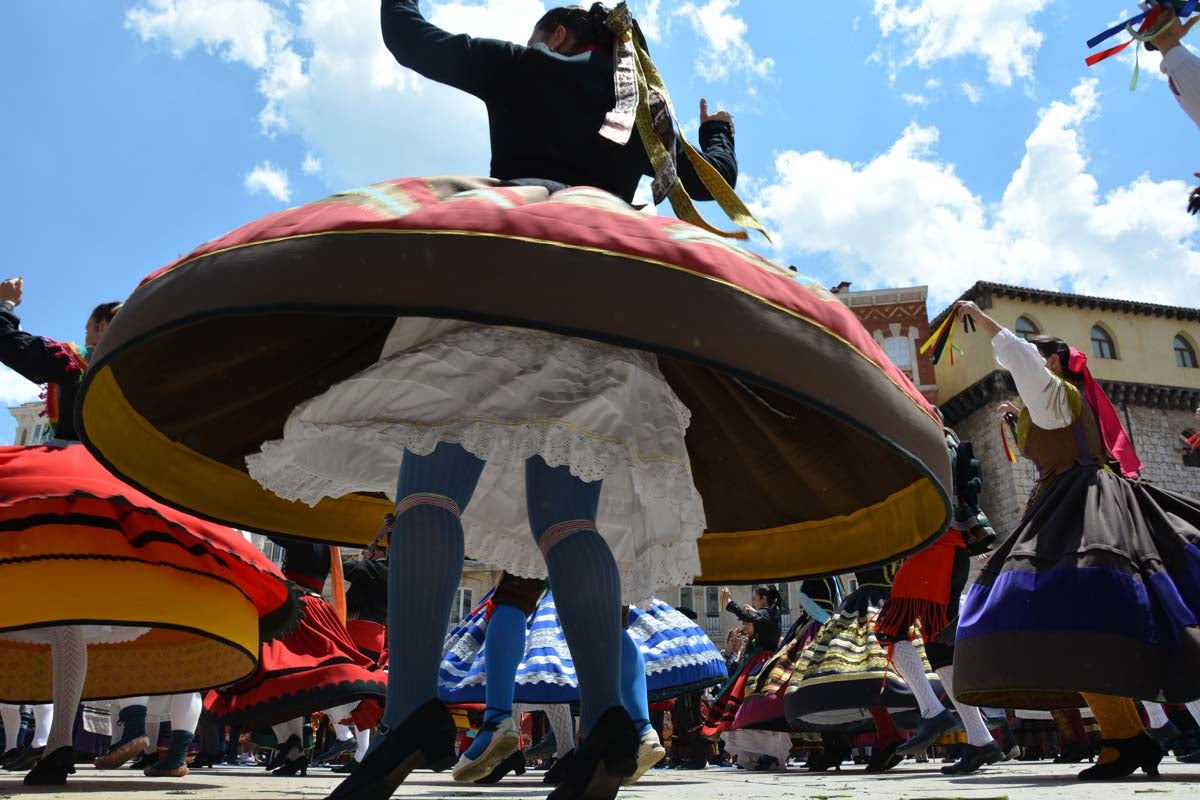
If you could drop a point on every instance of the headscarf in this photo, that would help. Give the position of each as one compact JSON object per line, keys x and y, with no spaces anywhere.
{"x":1111,"y":430}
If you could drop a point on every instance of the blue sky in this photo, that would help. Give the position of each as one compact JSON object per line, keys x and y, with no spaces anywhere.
{"x":884,"y":142}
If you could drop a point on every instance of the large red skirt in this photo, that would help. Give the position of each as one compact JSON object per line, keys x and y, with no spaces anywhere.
{"x":315,"y":667}
{"x":170,"y":603}
{"x":370,"y":638}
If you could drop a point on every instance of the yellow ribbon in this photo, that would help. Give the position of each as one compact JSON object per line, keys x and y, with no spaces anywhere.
{"x":667,"y":183}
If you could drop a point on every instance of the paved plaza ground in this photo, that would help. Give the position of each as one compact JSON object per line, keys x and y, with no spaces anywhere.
{"x":910,"y":780}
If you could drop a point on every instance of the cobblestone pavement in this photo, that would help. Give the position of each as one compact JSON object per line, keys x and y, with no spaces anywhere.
{"x":910,"y":780}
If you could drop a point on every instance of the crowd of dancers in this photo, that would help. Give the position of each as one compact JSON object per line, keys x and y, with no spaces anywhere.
{"x":528,"y":371}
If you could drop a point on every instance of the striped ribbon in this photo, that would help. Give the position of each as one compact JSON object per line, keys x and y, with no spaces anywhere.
{"x":642,"y":94}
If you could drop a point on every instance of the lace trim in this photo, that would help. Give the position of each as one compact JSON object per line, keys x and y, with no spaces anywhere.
{"x":589,"y":457}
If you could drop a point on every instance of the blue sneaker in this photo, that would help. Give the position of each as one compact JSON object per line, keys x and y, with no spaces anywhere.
{"x":929,"y":730}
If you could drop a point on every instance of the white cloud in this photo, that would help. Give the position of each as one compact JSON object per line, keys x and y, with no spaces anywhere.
{"x":933,"y":83}
{"x":311,"y":164}
{"x":647,"y":14}
{"x":970,"y":91}
{"x":906,"y":217}
{"x":724,"y":34}
{"x":14,"y":389}
{"x":267,"y":178}
{"x":915,"y":99}
{"x":324,"y":75}
{"x":1000,"y":32}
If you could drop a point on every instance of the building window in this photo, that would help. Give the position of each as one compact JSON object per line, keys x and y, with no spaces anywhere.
{"x":1025,"y":328}
{"x":462,"y":606}
{"x":1103,"y":345}
{"x":22,"y":436}
{"x":1190,"y":446}
{"x":712,"y":610}
{"x":1185,"y":354}
{"x":899,"y":351}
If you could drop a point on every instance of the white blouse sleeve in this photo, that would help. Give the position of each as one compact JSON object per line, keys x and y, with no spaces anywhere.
{"x":1183,"y":67}
{"x":1040,"y":390}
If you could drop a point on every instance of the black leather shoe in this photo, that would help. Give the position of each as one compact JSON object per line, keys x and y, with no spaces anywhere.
{"x":283,"y":752}
{"x":10,"y":756}
{"x":515,"y":763}
{"x":929,"y":730}
{"x":1073,"y":754}
{"x":1133,"y":753}
{"x":53,"y":769}
{"x":1164,"y":733}
{"x":975,"y":757}
{"x":291,"y":766}
{"x":883,"y":759}
{"x":425,"y":740}
{"x":605,"y":757}
{"x":339,"y":747}
{"x":345,"y":769}
{"x":28,"y":759}
{"x":558,"y":770}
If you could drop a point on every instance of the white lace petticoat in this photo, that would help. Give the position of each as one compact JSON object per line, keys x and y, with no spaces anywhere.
{"x":506,"y":394}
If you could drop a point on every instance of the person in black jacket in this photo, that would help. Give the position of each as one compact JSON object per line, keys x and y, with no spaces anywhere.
{"x":550,"y":104}
{"x":763,"y":616}
{"x":58,"y":365}
{"x":547,"y":100}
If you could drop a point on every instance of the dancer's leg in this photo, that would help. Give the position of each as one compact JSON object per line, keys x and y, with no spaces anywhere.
{"x":10,"y":715}
{"x":504,"y":644}
{"x":425,"y":563}
{"x":362,"y":740}
{"x":633,"y":684}
{"x":908,"y":663}
{"x":562,"y":513}
{"x":68,"y":653}
{"x":972,"y":719}
{"x":563,"y":724}
{"x":43,"y":720}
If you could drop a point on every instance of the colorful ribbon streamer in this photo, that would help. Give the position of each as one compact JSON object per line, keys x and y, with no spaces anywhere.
{"x":1008,"y":452}
{"x":940,"y":339}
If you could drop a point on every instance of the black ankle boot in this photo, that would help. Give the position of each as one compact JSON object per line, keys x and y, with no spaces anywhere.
{"x":1137,"y":752}
{"x":53,"y":769}
{"x":425,"y":740}
{"x":283,"y":752}
{"x":605,"y":757}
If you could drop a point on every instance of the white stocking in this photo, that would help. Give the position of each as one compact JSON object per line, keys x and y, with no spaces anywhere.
{"x":908,"y":663}
{"x":336,"y":715}
{"x":563,"y":725}
{"x":363,"y":740}
{"x":43,"y":720}
{"x":185,"y":712}
{"x":1158,"y":717}
{"x":68,"y":657}
{"x":972,"y":720}
{"x":1194,"y":709}
{"x":10,"y":715}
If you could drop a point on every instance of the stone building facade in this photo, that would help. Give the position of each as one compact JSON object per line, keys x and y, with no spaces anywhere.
{"x":1136,"y":351}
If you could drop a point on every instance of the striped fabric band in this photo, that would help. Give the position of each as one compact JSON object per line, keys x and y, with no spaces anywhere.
{"x":428,"y":499}
{"x":556,"y":533}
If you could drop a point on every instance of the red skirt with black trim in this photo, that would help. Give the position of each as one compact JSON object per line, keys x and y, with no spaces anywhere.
{"x":315,"y":667}
{"x":370,"y":638}
{"x":194,"y":601}
{"x":724,"y":710}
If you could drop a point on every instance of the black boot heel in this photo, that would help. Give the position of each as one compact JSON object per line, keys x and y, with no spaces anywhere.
{"x":424,"y":740}
{"x":602,"y":762}
{"x":1136,"y":752}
